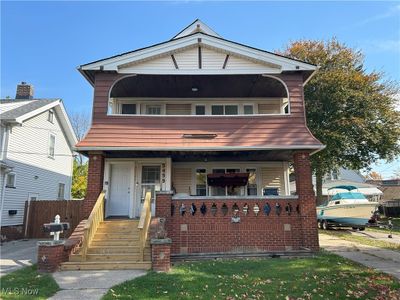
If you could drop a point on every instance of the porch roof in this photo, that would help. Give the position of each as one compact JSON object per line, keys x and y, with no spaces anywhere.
{"x":191,"y":133}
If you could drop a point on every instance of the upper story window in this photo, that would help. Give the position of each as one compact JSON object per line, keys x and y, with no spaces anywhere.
{"x":153,"y":109}
{"x":11,"y":182}
{"x":52,"y":145}
{"x":200,"y":110}
{"x":248,"y":109}
{"x":61,"y":191}
{"x":224,"y":109}
{"x":128,"y":109}
{"x":50,"y":117}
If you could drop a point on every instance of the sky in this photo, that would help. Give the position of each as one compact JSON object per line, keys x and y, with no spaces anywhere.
{"x":43,"y":43}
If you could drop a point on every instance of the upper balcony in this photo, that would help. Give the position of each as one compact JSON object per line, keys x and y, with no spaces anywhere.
{"x":194,"y":95}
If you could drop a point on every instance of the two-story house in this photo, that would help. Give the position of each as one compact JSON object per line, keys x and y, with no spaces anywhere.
{"x":36,"y":155}
{"x":208,"y":126}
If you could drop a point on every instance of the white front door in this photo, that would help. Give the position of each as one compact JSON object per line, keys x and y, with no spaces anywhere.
{"x":149,"y":180}
{"x":119,"y":202}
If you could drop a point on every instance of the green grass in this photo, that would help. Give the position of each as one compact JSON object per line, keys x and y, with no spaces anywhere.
{"x":27,"y":284}
{"x":395,"y":222}
{"x":325,"y":276}
{"x":345,"y":235}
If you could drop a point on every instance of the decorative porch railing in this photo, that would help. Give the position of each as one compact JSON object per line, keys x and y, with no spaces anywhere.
{"x":144,"y":223}
{"x":92,"y":223}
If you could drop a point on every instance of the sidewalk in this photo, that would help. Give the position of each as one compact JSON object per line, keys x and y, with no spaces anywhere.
{"x":17,"y":254}
{"x":90,"y":285}
{"x":383,"y":260}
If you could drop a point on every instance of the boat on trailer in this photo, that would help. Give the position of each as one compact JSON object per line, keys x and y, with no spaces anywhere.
{"x":349,"y":208}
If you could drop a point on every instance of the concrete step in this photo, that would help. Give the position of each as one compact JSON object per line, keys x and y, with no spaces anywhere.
{"x":105,"y":265}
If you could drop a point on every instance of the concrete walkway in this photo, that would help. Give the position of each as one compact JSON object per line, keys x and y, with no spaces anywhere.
{"x":380,"y":236}
{"x":17,"y":254}
{"x":383,"y":260}
{"x":90,"y":285}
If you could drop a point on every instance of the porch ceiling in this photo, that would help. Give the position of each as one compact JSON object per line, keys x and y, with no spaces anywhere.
{"x":193,"y":156}
{"x":208,"y":86}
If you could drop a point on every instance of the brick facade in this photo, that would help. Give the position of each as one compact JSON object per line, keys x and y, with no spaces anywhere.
{"x":95,"y":181}
{"x":208,"y":233}
{"x":50,"y":256}
{"x":304,"y":188}
{"x":161,"y":255}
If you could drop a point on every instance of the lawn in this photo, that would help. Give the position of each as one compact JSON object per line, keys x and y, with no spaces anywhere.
{"x":395,"y":222}
{"x":27,"y":284}
{"x":345,"y":235}
{"x":325,"y":276}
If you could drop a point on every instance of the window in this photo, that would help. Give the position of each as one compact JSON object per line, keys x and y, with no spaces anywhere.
{"x":217,"y":109}
{"x":224,"y":109}
{"x":228,"y":190}
{"x":10,"y":183}
{"x":61,"y":191}
{"x":201,"y":182}
{"x":248,"y":109}
{"x":252,"y":183}
{"x":200,"y":110}
{"x":231,"y":110}
{"x":128,"y":109}
{"x":52,"y":144}
{"x":153,"y":109}
{"x":51,"y":116}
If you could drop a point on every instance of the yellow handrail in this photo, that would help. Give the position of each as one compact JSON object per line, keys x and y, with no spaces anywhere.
{"x":144,"y":223}
{"x":92,"y":223}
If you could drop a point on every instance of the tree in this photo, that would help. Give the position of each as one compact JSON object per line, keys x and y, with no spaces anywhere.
{"x":80,"y":122}
{"x":79,"y":180}
{"x":374,"y":176}
{"x":350,"y":110}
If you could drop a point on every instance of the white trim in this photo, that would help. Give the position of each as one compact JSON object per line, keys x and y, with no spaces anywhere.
{"x":112,"y":64}
{"x":193,"y":28}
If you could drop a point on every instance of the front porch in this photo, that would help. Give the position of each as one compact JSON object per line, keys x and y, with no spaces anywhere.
{"x":259,"y":216}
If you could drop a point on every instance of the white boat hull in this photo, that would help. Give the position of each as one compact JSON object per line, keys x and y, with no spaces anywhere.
{"x":347,"y":214}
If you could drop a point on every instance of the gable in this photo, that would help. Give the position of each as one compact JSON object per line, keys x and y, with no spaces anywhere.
{"x":199,"y":59}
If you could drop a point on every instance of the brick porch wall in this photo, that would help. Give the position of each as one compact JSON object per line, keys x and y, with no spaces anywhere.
{"x":207,"y":233}
{"x":95,"y":181}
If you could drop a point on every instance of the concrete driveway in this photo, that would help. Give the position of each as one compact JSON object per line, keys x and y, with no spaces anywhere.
{"x":17,"y":254}
{"x":383,"y":260}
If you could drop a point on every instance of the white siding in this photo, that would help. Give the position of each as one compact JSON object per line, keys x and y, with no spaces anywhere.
{"x":236,"y":63}
{"x":182,"y":180}
{"x":163,"y":63}
{"x":35,"y":172}
{"x":212,"y":60}
{"x":273,"y":177}
{"x":188,"y":59}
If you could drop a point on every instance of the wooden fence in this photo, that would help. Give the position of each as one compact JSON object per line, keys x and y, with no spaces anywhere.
{"x":43,"y":211}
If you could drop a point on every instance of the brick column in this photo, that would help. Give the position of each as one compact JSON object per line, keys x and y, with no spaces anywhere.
{"x":163,"y":204}
{"x":307,"y":201}
{"x":50,"y":255}
{"x":94,"y":181}
{"x":161,"y":254}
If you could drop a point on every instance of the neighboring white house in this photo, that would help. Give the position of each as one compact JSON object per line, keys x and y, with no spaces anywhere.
{"x":345,"y":177}
{"x":36,"y":157}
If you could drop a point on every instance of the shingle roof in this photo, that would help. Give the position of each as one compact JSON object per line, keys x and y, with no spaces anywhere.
{"x":20,"y":110}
